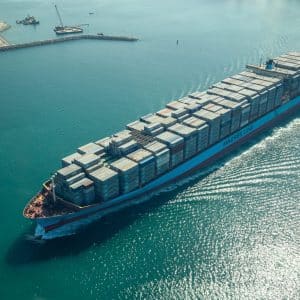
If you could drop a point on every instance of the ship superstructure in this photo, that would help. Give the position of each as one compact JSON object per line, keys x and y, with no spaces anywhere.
{"x":188,"y":134}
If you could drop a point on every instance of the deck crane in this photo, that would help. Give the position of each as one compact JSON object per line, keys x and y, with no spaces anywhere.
{"x":62,"y":29}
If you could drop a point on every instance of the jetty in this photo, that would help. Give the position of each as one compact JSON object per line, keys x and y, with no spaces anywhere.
{"x":5,"y":46}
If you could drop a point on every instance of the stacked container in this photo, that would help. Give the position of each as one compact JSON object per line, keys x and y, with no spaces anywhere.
{"x":165,"y":112}
{"x":245,"y":114}
{"x":106,"y":182}
{"x":72,"y":184}
{"x":123,"y":143}
{"x":202,"y":128}
{"x":252,"y":84}
{"x":236,"y":111}
{"x":214,"y":121}
{"x":176,"y":145}
{"x":162,"y":156}
{"x":251,"y":95}
{"x":146,"y":162}
{"x":153,"y":129}
{"x":175,"y":105}
{"x":279,"y":94}
{"x":64,"y":174}
{"x":180,"y":114}
{"x":66,"y":161}
{"x":128,"y":147}
{"x":190,"y":136}
{"x":179,"y":131}
{"x":128,"y":174}
{"x":233,"y":81}
{"x":228,"y":87}
{"x":163,"y":121}
{"x":271,"y":92}
{"x":274,"y":99}
{"x":87,"y":160}
{"x":187,"y":104}
{"x":82,"y":192}
{"x":219,"y":92}
{"x":91,"y":148}
{"x":136,"y":126}
{"x":203,"y":98}
{"x":225,"y":117}
{"x":253,"y":98}
{"x":104,"y":143}
{"x":296,"y":61}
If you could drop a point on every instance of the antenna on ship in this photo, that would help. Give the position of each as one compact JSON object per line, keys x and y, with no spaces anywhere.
{"x":261,"y":60}
{"x":53,"y":188}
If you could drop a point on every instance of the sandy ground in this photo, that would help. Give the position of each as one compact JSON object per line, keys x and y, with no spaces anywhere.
{"x":4,"y":26}
{"x":3,"y":42}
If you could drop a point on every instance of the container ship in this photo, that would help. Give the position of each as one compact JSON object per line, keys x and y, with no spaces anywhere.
{"x":163,"y":147}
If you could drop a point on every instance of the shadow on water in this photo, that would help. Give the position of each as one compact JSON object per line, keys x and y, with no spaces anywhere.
{"x":26,"y":250}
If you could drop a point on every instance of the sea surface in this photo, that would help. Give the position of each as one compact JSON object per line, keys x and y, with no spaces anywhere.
{"x":231,"y":232}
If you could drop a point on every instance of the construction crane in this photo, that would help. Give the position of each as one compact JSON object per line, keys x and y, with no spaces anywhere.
{"x":62,"y":29}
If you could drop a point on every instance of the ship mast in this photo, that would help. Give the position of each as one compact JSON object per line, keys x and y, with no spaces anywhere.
{"x":59,"y":17}
{"x":53,"y":189}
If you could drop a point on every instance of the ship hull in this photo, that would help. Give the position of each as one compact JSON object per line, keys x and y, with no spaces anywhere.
{"x":59,"y":226}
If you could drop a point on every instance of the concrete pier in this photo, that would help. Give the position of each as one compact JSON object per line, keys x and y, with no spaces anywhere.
{"x":4,"y":46}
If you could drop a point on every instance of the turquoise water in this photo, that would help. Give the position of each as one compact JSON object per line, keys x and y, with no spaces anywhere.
{"x":232,"y":234}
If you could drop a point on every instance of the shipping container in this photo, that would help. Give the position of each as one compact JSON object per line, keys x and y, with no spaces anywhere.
{"x":87,"y":160}
{"x":146,"y":162}
{"x":234,"y":81}
{"x":175,"y":105}
{"x":214,"y":122}
{"x":127,"y":148}
{"x":66,"y":161}
{"x":94,"y":168}
{"x":162,"y":156}
{"x":69,"y":171}
{"x":75,"y":178}
{"x":91,"y":148}
{"x":203,"y":98}
{"x":136,"y":125}
{"x":190,"y":136}
{"x":105,"y":143}
{"x":202,"y":130}
{"x":82,"y":192}
{"x":228,"y":87}
{"x":106,"y":183}
{"x":165,"y":112}
{"x":128,"y":174}
{"x":176,"y":145}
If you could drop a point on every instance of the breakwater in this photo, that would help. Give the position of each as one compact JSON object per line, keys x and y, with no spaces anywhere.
{"x":67,"y":38}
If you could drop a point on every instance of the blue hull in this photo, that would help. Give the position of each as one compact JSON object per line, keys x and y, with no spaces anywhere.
{"x":53,"y":227}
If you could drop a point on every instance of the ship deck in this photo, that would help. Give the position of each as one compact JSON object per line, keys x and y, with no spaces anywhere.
{"x":42,"y":205}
